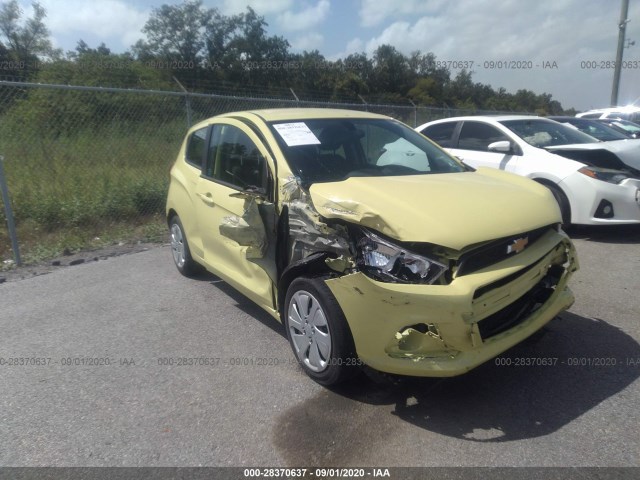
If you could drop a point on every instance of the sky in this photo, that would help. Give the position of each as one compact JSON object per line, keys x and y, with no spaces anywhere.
{"x":562,"y":47}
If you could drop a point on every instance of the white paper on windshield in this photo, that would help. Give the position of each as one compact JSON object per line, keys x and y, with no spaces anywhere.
{"x":295,"y":134}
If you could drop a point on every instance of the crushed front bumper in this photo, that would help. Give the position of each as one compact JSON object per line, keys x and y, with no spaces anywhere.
{"x":438,"y":330}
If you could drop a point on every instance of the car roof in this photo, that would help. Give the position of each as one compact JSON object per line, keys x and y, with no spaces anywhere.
{"x":568,"y":119}
{"x":627,"y":109}
{"x":614,"y":119}
{"x":279,"y":114}
{"x":284,"y":114}
{"x":489,"y":118}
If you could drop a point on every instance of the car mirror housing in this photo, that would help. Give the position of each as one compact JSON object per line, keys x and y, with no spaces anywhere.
{"x":503,"y":146}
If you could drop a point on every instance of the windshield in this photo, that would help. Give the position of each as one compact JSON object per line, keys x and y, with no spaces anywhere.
{"x":595,"y":129}
{"x":330,"y":150}
{"x":546,"y":133}
{"x":627,"y":126}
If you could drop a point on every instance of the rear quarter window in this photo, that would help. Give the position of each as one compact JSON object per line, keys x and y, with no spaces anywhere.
{"x":196,"y":146}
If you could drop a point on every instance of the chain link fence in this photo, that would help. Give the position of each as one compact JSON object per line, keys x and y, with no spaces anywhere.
{"x":89,"y":166}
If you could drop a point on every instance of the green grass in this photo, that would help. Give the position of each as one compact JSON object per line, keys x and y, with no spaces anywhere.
{"x":69,"y":189}
{"x":37,"y":246}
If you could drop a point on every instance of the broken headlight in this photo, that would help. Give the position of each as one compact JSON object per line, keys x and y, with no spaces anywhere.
{"x":384,"y":261}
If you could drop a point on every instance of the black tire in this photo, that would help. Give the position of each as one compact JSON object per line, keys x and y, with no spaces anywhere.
{"x":563,"y":203}
{"x":339,"y":363}
{"x":180,"y":249}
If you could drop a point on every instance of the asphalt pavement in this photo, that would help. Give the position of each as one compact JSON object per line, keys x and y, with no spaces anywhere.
{"x":123,"y":362}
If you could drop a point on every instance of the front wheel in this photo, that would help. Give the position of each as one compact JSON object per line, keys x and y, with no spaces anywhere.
{"x":318,"y":332}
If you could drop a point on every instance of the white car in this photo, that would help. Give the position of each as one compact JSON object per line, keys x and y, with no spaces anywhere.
{"x":590,"y":182}
{"x":630,"y":112}
{"x":625,"y":126}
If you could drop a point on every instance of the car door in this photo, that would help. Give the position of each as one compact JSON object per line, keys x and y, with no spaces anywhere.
{"x":187,"y":178}
{"x":234,"y":203}
{"x":473,"y":147}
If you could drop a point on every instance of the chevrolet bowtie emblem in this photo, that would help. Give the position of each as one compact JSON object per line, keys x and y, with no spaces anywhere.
{"x":518,"y":245}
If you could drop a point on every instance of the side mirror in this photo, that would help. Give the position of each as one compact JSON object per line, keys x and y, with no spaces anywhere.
{"x":503,"y":146}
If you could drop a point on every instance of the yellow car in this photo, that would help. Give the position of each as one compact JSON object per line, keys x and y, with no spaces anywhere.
{"x":368,"y":242}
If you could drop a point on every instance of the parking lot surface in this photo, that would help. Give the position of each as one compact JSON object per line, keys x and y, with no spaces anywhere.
{"x":123,"y":362}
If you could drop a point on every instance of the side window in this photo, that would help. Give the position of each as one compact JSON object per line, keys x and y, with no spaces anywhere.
{"x":441,"y":133}
{"x":478,"y":136}
{"x":234,"y":159}
{"x":196,"y":147}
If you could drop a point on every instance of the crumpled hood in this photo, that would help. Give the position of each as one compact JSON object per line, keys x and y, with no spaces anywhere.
{"x":628,"y":151}
{"x":453,"y":210}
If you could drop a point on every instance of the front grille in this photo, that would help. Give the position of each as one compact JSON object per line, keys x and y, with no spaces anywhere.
{"x":495,"y":252}
{"x":518,"y":311}
{"x":503,"y":281}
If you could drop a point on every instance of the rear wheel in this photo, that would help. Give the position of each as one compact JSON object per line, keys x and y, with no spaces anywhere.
{"x":318,"y":332}
{"x":180,"y":249}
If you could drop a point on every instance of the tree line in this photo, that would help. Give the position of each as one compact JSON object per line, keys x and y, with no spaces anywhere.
{"x":203,"y":50}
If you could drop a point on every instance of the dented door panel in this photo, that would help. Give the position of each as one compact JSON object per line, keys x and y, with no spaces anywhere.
{"x":236,"y":211}
{"x":226,"y":254}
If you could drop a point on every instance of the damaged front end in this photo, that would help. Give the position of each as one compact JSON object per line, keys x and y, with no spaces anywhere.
{"x":309,"y":234}
{"x":413,"y":308}
{"x":448,"y":328}
{"x":348,"y":247}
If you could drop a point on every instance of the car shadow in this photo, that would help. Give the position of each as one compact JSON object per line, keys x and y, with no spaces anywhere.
{"x":496,"y":402}
{"x":503,"y":399}
{"x":533,"y":389}
{"x":606,"y":233}
{"x":242,"y":302}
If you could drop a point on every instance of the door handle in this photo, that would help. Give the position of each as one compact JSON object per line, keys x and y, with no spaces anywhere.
{"x":207,"y":198}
